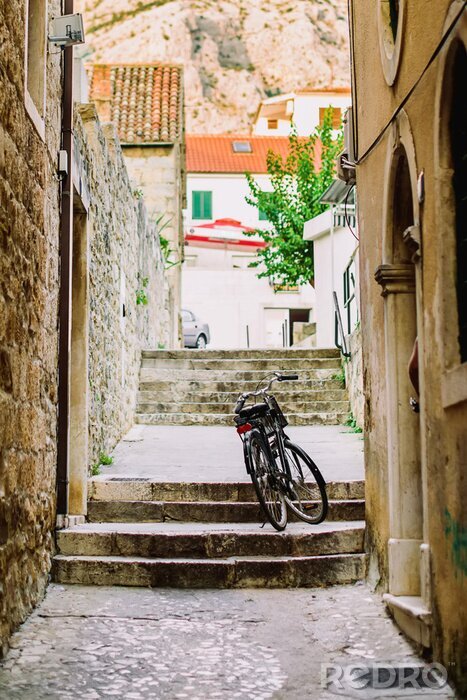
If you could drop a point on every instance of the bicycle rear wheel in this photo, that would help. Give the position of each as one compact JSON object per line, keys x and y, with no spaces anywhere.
{"x":267,"y":486}
{"x":310,"y":501}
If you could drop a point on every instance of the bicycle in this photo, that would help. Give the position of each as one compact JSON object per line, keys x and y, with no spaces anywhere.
{"x":282,"y":473}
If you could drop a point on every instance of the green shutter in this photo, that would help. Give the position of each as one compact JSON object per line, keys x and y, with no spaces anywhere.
{"x":202,"y":205}
{"x":196,"y":210}
{"x":261,"y":215}
{"x":207,"y":208}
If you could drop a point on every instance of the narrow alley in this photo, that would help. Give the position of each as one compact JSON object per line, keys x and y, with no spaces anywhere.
{"x":93,"y":642}
{"x":233,"y":349}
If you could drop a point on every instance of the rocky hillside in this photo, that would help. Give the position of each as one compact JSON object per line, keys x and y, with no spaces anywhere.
{"x":235,"y":52}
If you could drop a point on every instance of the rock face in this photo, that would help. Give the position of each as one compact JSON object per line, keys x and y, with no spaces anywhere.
{"x":234,"y":52}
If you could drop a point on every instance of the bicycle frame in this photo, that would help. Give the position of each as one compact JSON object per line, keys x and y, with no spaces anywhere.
{"x":255,"y":427}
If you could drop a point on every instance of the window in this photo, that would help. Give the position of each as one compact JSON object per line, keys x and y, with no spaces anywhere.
{"x":241,"y":147}
{"x":187,"y":316}
{"x":35,"y":63}
{"x":390,"y":26}
{"x":286,"y":288}
{"x":202,"y":205}
{"x":458,"y":131}
{"x":336,"y":116}
{"x":191,"y":260}
{"x":242,"y":262}
{"x":273,"y":123}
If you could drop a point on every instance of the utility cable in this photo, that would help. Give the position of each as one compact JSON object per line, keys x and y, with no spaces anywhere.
{"x":401,"y":106}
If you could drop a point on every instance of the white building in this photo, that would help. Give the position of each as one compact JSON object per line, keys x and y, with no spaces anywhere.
{"x":305,"y":109}
{"x":217,"y":283}
{"x":336,"y":264}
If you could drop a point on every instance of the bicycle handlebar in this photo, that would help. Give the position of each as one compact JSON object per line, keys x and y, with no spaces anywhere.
{"x":277,"y":378}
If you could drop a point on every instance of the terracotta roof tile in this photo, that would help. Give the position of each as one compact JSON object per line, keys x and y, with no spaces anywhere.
{"x":144,"y":100}
{"x":214,"y":153}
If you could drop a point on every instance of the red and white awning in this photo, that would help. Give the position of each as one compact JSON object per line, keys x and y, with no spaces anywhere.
{"x":223,"y":233}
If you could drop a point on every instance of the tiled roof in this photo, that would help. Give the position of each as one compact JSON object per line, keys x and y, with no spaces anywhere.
{"x":215,"y":154}
{"x":143,"y":100}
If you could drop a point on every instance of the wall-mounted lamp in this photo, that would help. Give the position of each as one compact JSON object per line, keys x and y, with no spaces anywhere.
{"x":67,"y":30}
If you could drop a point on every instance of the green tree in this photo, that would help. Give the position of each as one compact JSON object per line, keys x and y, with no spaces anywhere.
{"x":297,"y":184}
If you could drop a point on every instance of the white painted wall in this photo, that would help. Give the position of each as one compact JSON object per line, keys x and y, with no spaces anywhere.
{"x":231,"y":298}
{"x":333,"y":248}
{"x":261,"y":127}
{"x":303,"y":111}
{"x":228,"y":197}
{"x":306,"y":112}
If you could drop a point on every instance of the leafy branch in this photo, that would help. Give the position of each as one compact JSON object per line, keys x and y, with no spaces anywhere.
{"x":297,"y":183}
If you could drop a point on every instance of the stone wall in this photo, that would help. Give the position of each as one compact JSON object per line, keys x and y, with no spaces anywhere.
{"x":416,"y":488}
{"x":354,"y":376}
{"x":29,"y":227}
{"x":124,"y":252}
{"x":159,"y":172}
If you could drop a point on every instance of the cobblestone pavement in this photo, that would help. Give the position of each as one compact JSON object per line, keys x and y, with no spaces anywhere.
{"x":87,"y":643}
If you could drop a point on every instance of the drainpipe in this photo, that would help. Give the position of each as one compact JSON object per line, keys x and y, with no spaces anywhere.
{"x":66,"y":250}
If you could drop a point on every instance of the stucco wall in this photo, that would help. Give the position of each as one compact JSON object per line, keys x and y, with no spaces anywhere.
{"x":29,"y":224}
{"x":123,"y":249}
{"x":443,"y":445}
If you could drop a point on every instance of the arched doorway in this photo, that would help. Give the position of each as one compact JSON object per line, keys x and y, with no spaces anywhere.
{"x":399,"y":276}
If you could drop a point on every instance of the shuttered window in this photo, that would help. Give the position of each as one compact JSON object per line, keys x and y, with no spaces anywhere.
{"x":336,"y":116}
{"x":458,"y":127}
{"x":202,"y":205}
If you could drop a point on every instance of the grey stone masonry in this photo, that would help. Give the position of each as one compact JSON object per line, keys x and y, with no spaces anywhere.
{"x":124,"y":259}
{"x":177,"y":509}
{"x":201,"y":387}
{"x":29,"y":272}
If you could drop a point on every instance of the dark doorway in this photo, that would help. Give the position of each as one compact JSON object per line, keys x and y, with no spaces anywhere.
{"x":297,"y":316}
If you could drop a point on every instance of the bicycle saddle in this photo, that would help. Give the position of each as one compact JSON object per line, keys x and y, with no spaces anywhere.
{"x":259,"y":409}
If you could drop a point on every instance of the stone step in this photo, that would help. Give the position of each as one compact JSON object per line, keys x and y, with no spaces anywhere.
{"x":204,"y":511}
{"x":153,"y":374}
{"x":227,"y":408}
{"x":201,"y":541}
{"x":330,"y":418}
{"x":209,"y":387}
{"x":243,"y":365}
{"x":129,"y":488}
{"x":232,"y":572}
{"x":289,"y":353}
{"x":177,"y":394}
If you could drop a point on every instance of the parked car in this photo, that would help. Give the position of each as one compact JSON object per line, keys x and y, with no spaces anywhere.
{"x":195,"y":332}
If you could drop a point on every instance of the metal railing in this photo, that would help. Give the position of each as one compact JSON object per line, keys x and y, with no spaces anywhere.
{"x":349,"y":296}
{"x":350,"y":308}
{"x":339,"y":328}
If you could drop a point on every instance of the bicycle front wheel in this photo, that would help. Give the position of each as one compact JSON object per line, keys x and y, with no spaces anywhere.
{"x":309,"y":501}
{"x":267,"y":486}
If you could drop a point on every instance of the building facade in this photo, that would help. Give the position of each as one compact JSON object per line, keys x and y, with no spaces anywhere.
{"x":146,"y":104}
{"x":218,"y":284}
{"x":30,"y":125}
{"x":409,"y":71}
{"x":77,"y":253}
{"x":335,"y":245}
{"x":303,"y":110}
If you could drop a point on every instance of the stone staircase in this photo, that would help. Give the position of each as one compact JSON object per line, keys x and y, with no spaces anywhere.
{"x":190,"y":387}
{"x":207,"y":535}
